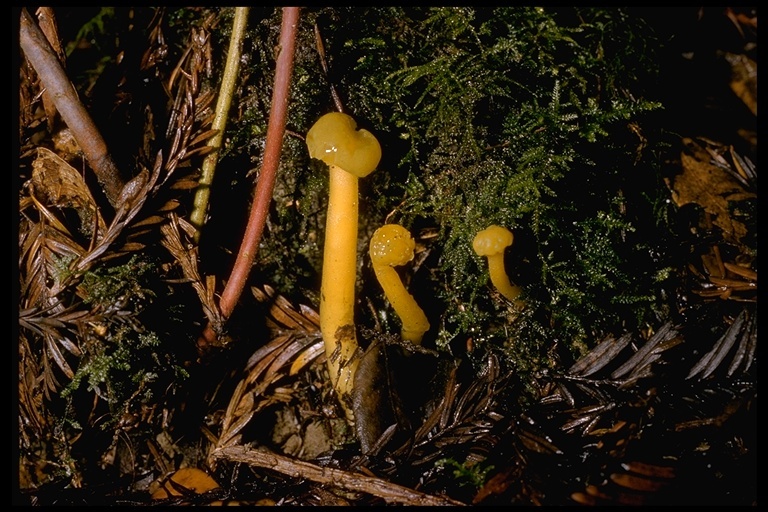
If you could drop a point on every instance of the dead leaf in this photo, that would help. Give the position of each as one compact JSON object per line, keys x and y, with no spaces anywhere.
{"x":185,"y":479}
{"x":56,"y":183}
{"x":711,"y":187}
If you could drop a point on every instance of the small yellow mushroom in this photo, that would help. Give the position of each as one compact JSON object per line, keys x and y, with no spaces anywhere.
{"x":491,"y":243}
{"x":392,"y":245}
{"x":350,"y":154}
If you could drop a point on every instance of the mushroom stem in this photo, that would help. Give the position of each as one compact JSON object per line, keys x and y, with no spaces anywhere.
{"x":491,"y":243}
{"x":500,"y":279}
{"x":392,"y":245}
{"x":337,"y":292}
{"x":350,"y":154}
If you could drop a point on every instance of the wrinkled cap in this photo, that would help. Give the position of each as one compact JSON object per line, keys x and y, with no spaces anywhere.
{"x":391,"y":245}
{"x":492,"y":240}
{"x":335,"y":140}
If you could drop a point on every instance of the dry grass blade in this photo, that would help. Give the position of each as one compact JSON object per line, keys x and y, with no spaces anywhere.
{"x":461,"y":423}
{"x":296,"y":338}
{"x":639,"y":364}
{"x":635,"y":483}
{"x":712,"y":359}
{"x":600,"y":356}
{"x":185,"y":255}
{"x":282,"y":314}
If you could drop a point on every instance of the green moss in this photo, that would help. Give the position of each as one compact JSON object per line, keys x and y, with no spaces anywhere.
{"x":120,"y":358}
{"x":513,"y":115}
{"x":106,"y":286}
{"x":466,"y":474}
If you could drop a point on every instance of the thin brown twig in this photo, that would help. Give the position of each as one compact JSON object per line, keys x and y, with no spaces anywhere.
{"x":324,"y":65}
{"x":53,"y":77}
{"x":266,"y":182}
{"x":390,"y":492}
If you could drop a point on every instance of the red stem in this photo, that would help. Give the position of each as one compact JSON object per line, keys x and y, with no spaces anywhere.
{"x":266,"y":182}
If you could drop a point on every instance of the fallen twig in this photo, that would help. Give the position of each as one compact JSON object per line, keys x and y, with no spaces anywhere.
{"x":391,"y":493}
{"x":53,"y":77}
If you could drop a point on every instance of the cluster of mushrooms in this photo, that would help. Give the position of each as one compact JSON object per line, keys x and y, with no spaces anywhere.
{"x":352,"y":154}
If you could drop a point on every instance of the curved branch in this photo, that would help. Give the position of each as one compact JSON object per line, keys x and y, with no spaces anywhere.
{"x":266,"y":182}
{"x":54,"y":79}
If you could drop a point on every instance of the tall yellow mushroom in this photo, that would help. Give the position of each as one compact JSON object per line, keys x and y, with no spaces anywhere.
{"x":392,"y":245}
{"x":350,"y":154}
{"x":491,"y":242}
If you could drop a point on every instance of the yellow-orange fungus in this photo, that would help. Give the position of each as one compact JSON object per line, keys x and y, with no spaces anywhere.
{"x":491,"y":243}
{"x":350,"y":154}
{"x":335,"y":140}
{"x":392,"y":245}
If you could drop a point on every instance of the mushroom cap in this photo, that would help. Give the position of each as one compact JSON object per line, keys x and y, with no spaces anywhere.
{"x":492,"y":240}
{"x":335,"y":140}
{"x":391,"y":245}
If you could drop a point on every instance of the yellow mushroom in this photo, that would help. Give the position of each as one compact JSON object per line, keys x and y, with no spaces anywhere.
{"x":392,"y":245}
{"x":350,"y":154}
{"x":491,"y":243}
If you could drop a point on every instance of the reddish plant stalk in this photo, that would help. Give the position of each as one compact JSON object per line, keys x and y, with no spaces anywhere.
{"x":266,"y":182}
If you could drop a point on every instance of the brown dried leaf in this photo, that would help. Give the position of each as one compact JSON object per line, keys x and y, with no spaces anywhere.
{"x":637,"y":483}
{"x":284,"y":315}
{"x":55,"y":354}
{"x":203,"y":137}
{"x":599,"y":356}
{"x":710,"y":186}
{"x":200,"y":151}
{"x":47,"y":21}
{"x":642,"y":468}
{"x":257,"y":390}
{"x":647,"y":354}
{"x":131,"y":247}
{"x":149,"y":221}
{"x":185,"y":480}
{"x":170,"y":205}
{"x":712,"y":359}
{"x":184,"y":184}
{"x":746,"y":273}
{"x":58,"y":184}
{"x":186,"y":256}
